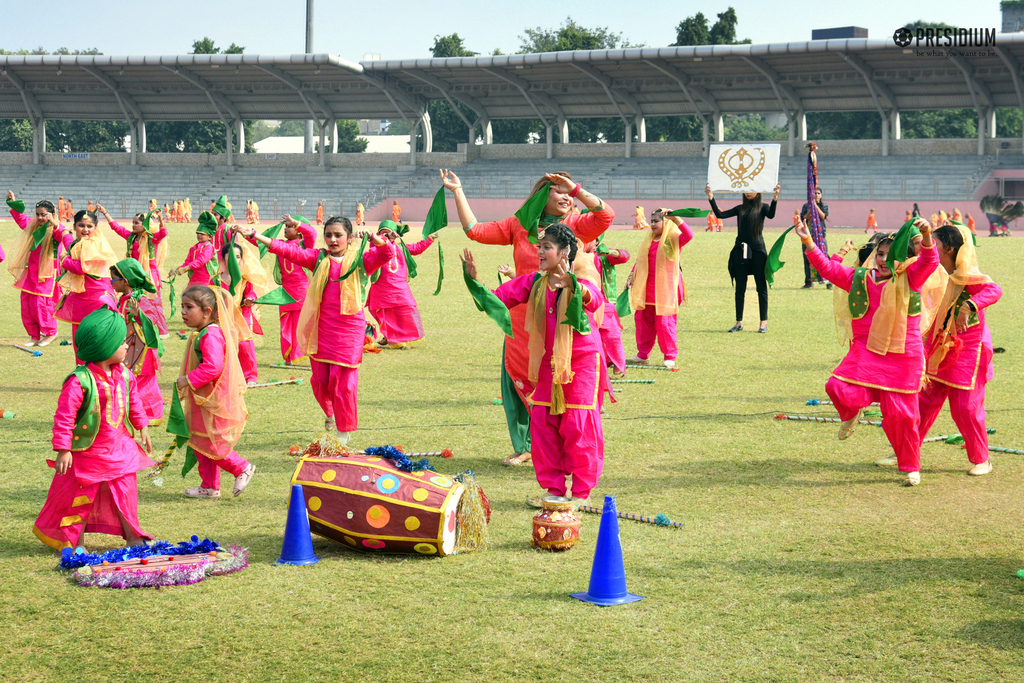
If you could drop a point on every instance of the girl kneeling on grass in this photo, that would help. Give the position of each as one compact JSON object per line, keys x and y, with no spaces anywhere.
{"x":210,"y":389}
{"x":332,"y":327}
{"x":564,"y":366}
{"x":885,"y":362}
{"x":94,"y":487}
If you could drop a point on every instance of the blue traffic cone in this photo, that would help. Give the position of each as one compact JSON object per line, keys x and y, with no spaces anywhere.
{"x":298,"y":543}
{"x":608,"y":576}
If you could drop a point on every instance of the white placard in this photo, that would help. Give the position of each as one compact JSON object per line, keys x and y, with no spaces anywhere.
{"x":743,"y":167}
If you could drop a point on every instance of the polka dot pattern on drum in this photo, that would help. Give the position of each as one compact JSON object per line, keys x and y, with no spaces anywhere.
{"x":378,"y":516}
{"x":388,"y":484}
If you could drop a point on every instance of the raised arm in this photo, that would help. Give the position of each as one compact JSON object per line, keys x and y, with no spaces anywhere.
{"x":984,"y":295}
{"x":376,"y":257}
{"x":927,"y":257}
{"x":417,"y":248}
{"x":617,"y":257}
{"x":836,"y":273}
{"x":454,"y":185}
{"x":516,"y":291}
{"x":122,"y":231}
{"x":308,"y":238}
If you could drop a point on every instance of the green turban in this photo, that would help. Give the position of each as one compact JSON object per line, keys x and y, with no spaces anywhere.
{"x":99,"y":335}
{"x":207,"y":224}
{"x":221,"y":207}
{"x":131,"y":270}
{"x":389,"y":224}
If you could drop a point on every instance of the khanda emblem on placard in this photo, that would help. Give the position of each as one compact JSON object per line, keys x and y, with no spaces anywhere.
{"x":741,"y":165}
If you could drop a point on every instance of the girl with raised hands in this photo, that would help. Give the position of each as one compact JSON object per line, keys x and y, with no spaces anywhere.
{"x":391,"y":302}
{"x":551,"y":201}
{"x":885,"y":362}
{"x":564,"y":363}
{"x":332,"y":326}
{"x":33,"y":263}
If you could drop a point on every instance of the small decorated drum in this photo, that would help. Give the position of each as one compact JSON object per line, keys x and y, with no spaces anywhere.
{"x":368,"y":504}
{"x":556,"y":527}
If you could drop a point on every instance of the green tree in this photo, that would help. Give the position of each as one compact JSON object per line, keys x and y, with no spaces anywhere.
{"x":15,"y":135}
{"x":206,"y":137}
{"x":674,"y":129}
{"x":447,"y":127}
{"x":349,"y":141}
{"x":844,"y":125}
{"x":940,"y":123}
{"x":752,"y":128}
{"x":694,"y":30}
{"x":570,"y":36}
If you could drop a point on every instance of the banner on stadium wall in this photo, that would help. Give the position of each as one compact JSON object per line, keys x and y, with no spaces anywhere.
{"x":743,"y":167}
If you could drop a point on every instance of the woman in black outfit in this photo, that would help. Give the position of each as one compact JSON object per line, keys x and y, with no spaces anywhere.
{"x":748,"y":256}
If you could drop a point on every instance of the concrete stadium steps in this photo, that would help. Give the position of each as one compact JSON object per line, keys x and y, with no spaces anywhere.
{"x":854,"y":177}
{"x":125,"y":189}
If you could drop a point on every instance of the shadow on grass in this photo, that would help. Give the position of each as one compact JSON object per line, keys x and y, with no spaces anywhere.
{"x":1006,"y":634}
{"x":777,"y":472}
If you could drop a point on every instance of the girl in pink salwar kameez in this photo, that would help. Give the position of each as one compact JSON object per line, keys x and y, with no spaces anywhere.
{"x":143,"y":245}
{"x":255,"y":284}
{"x":33,"y":263}
{"x":391,"y":301}
{"x":565,"y":365}
{"x":86,"y":266}
{"x":144,"y":346}
{"x":959,"y":346}
{"x":885,"y":362}
{"x":656,"y":287}
{"x":94,"y":489}
{"x":210,"y":389}
{"x":332,"y":326}
{"x":200,"y":263}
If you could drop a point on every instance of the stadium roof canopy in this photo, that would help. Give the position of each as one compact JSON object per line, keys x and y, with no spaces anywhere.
{"x":707,"y":81}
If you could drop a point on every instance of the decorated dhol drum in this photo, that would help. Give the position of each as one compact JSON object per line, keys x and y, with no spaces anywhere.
{"x":368,"y":504}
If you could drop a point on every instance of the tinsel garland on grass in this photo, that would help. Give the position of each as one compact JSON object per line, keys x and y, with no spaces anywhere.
{"x":234,"y":559}
{"x":70,"y":559}
{"x":474,"y":516}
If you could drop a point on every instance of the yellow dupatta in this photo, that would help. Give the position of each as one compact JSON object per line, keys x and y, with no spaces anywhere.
{"x":966,"y":272}
{"x":666,"y":289}
{"x":96,"y":257}
{"x":222,"y":414}
{"x":561,"y":356}
{"x":252,"y":272}
{"x":351,"y":300}
{"x":21,"y":252}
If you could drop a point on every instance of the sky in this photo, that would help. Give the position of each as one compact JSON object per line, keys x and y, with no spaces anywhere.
{"x":403,"y":29}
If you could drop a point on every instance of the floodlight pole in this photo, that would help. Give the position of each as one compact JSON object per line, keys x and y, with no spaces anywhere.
{"x":308,"y":147}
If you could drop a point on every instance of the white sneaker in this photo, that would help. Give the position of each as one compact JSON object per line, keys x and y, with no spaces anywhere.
{"x":887,"y":461}
{"x":200,"y":492}
{"x":980,"y":469}
{"x":637,"y":360}
{"x":670,"y":363}
{"x":31,"y":342}
{"x":578,"y":502}
{"x":343,"y":437}
{"x":913,"y":479}
{"x":45,"y":341}
{"x":242,"y":480}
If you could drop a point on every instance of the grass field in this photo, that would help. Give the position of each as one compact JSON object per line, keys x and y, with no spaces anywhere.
{"x":799,"y":561}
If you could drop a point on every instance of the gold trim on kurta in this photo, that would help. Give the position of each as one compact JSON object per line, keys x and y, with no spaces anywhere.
{"x":597,"y":391}
{"x":878,"y":386}
{"x":52,"y":542}
{"x":80,"y":500}
{"x":974,"y":376}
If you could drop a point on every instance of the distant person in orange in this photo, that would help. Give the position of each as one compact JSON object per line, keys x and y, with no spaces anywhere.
{"x":872,"y":223}
{"x":320,"y":213}
{"x":970,"y":223}
{"x":639,"y":220}
{"x":396,"y":211}
{"x":796,"y":217}
{"x":60,"y":208}
{"x":957,"y":216}
{"x":360,"y":211}
{"x":92,"y":206}
{"x":167,"y":213}
{"x":248,"y":211}
{"x":70,"y":209}
{"x":935,"y":220}
{"x":908,"y":216}
{"x":188,"y":210}
{"x":255,"y":211}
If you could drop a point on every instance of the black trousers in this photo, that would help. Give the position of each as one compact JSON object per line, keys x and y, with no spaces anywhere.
{"x":752,"y":266}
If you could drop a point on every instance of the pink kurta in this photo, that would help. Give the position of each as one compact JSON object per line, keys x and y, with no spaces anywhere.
{"x":974,"y":360}
{"x":155,"y":240}
{"x":571,"y":443}
{"x":295,"y":280}
{"x":588,"y":227}
{"x":212,"y":348}
{"x":148,"y":377}
{"x":101,"y":480}
{"x":98,"y":292}
{"x":649,"y":325}
{"x":900,"y":372}
{"x":391,"y":301}
{"x":199,"y":254}
{"x":29,"y":281}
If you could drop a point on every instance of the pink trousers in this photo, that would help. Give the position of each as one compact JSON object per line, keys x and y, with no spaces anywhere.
{"x":247,"y":359}
{"x":290,"y":350}
{"x":149,"y":386}
{"x":570,"y":444}
{"x":399,"y":324}
{"x":968,"y":410}
{"x":70,"y":506}
{"x":900,"y":417}
{"x":649,"y":326}
{"x":336,"y":389}
{"x":611,"y":339}
{"x":209,"y":469}
{"x":37,"y":315}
